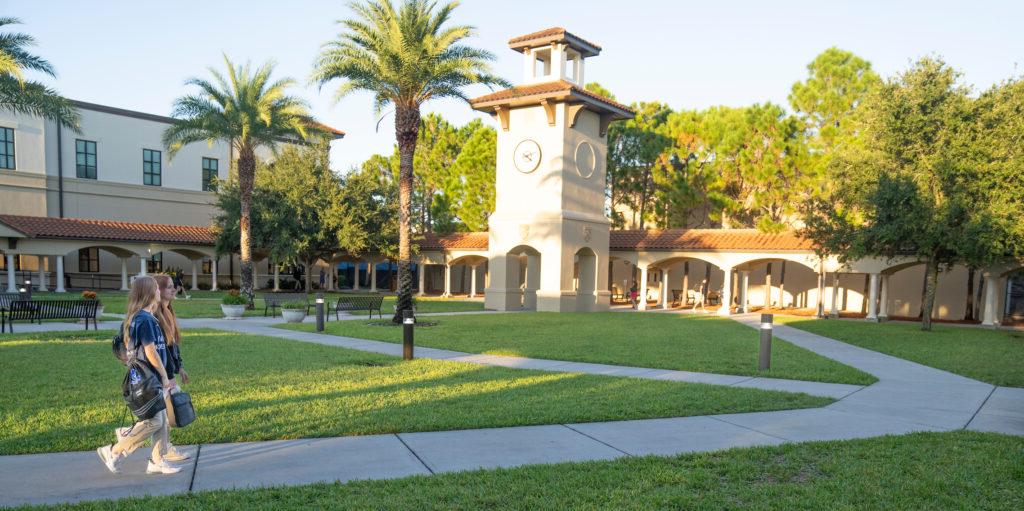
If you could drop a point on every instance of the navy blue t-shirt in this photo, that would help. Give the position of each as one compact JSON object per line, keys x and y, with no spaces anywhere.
{"x":145,"y":330}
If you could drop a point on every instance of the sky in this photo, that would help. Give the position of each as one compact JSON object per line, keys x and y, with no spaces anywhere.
{"x":688,"y":54}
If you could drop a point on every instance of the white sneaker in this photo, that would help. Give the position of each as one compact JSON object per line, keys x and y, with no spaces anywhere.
{"x":175,"y":455}
{"x":109,"y":458}
{"x":161,"y":467}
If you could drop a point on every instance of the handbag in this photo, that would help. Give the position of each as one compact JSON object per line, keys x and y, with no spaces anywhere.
{"x":141,"y":388}
{"x":180,"y":412}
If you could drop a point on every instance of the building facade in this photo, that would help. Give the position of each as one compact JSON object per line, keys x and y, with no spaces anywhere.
{"x":116,"y":169}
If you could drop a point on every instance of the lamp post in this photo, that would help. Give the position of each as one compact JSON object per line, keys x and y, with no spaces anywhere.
{"x":764,"y":359}
{"x":408,"y":322}
{"x":319,"y":312}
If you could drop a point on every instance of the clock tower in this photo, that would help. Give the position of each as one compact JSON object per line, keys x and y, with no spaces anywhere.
{"x":548,"y":239}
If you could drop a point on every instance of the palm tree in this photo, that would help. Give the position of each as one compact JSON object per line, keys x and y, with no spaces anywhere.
{"x":404,"y":57}
{"x":247,"y":110}
{"x":28,"y":97}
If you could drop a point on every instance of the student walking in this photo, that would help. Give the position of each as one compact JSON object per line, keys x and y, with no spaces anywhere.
{"x":141,"y":331}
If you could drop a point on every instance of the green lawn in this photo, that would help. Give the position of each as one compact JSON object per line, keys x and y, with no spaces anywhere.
{"x":958,"y":470}
{"x":992,"y":356}
{"x":206,"y":304}
{"x":61,"y":392}
{"x":667,"y":341}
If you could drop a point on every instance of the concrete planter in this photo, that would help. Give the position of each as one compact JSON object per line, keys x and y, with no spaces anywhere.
{"x":293,"y":315}
{"x":232,"y":311}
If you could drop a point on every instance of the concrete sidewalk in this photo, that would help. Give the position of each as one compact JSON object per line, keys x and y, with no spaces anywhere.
{"x":909,"y":397}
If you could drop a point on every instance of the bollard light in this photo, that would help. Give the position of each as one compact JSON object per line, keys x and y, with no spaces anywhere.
{"x":408,"y":322}
{"x":764,"y":359}
{"x":319,"y":312}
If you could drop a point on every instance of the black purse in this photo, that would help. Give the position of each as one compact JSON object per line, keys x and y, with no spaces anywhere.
{"x":141,"y":389}
{"x":180,"y":412}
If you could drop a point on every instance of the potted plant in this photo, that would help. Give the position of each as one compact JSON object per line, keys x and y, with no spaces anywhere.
{"x":233,"y":304}
{"x":294,"y":311}
{"x":91,"y":295}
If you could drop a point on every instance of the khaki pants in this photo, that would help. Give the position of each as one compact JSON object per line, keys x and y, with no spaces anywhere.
{"x":155,"y":428}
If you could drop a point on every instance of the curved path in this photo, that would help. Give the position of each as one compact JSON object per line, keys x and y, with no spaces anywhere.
{"x":908,"y":397}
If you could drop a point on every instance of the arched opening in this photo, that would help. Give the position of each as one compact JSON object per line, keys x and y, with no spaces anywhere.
{"x":99,"y":267}
{"x":585,"y":279}
{"x":777,"y":284}
{"x":686,"y":282}
{"x":467,"y":275}
{"x":522,"y":272}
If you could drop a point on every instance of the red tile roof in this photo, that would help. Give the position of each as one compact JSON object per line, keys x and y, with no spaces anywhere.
{"x":108,"y":230}
{"x":706,"y":239}
{"x":554,"y":34}
{"x":666,"y":239}
{"x":459,"y":240}
{"x":546,"y":89}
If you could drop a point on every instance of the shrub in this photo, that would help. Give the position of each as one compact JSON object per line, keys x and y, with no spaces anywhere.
{"x":88,"y":295}
{"x":233,"y":297}
{"x":294,"y":304}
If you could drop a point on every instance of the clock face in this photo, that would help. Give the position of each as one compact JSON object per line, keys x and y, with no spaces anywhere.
{"x":586,"y":159}
{"x":527,"y":156}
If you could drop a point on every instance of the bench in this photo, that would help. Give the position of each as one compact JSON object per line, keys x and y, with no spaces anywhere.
{"x":5,"y":307}
{"x":26,"y":310}
{"x":273,"y":301}
{"x":368,"y":303}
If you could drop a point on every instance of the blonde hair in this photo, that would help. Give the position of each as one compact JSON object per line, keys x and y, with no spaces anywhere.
{"x":165,"y":313}
{"x":141,"y":296}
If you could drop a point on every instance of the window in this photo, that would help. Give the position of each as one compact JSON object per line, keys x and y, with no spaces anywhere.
{"x":89,"y":260}
{"x":3,"y":262}
{"x":150,"y":167}
{"x":210,"y":174}
{"x":155,"y":263}
{"x":6,"y":148}
{"x":207,"y":266}
{"x":85,"y":159}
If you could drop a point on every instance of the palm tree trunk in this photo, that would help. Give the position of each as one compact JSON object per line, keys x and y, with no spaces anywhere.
{"x":246,"y":177}
{"x":407,"y":126}
{"x":931,"y":283}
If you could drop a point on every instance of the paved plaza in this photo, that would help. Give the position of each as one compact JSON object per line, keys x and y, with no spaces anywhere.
{"x":908,"y":397}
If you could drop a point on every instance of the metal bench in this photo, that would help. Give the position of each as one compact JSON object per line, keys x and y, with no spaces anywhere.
{"x":368,"y":303}
{"x":273,"y":301}
{"x":26,"y":310}
{"x":5,"y":307}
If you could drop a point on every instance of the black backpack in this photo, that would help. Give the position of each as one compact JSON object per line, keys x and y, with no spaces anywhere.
{"x":142,"y":390}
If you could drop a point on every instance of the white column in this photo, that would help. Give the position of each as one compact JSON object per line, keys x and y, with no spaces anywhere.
{"x":447,"y":279}
{"x":124,"y":274}
{"x":872,"y":297}
{"x":355,"y":281}
{"x":744,"y":288}
{"x":472,"y":281}
{"x":142,"y":266}
{"x":373,"y":277}
{"x":834,"y":311}
{"x":213,"y":274}
{"x":195,"y":275}
{"x":726,"y":296}
{"x":641,"y":297}
{"x":990,"y":312}
{"x":664,"y":288}
{"x":277,"y":276}
{"x":41,"y":261}
{"x":12,"y":286}
{"x":422,"y":271}
{"x":60,"y":274}
{"x":883,"y":299}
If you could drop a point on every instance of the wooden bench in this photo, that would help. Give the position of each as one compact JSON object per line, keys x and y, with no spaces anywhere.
{"x":273,"y":301}
{"x":368,"y":303}
{"x":26,"y":310}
